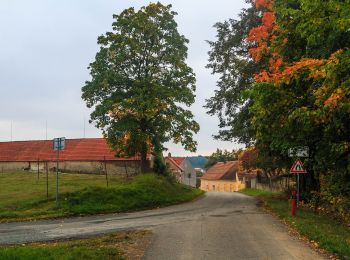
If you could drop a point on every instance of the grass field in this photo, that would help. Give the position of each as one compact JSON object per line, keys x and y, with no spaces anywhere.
{"x":122,"y":245}
{"x":326,"y":233}
{"x":23,"y":195}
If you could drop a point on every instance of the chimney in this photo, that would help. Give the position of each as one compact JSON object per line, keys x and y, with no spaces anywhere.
{"x":169,"y":155}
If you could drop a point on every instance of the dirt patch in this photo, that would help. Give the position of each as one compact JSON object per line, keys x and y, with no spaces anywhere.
{"x":120,"y":245}
{"x":133,"y":244}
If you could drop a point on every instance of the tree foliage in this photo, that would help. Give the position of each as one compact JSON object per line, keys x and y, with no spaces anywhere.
{"x":140,"y":83}
{"x":222,"y":156}
{"x":301,"y":96}
{"x":229,"y":57}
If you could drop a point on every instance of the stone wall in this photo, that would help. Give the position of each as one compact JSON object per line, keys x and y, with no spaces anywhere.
{"x":94,"y":167}
{"x":13,"y":166}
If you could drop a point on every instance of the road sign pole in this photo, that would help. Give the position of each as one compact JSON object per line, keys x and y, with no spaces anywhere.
{"x":298,"y":192}
{"x":38,"y":168}
{"x":298,"y":168}
{"x":58,"y":144}
{"x":293,"y":203}
{"x":47,"y":179}
{"x":57,"y":165}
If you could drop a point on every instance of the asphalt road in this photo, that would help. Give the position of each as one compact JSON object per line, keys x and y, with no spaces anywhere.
{"x":217,"y":226}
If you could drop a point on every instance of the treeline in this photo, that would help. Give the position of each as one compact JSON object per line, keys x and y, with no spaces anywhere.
{"x":222,"y":156}
{"x":284,"y":69}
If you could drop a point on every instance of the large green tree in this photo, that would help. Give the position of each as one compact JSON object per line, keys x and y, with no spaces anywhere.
{"x":141,"y":85}
{"x":230,"y":59}
{"x":303,"y":96}
{"x":300,"y":93}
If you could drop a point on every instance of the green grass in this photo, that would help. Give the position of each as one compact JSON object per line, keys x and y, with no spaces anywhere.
{"x":112,"y":246}
{"x":23,"y":196}
{"x":256,"y":193}
{"x":325,"y":231}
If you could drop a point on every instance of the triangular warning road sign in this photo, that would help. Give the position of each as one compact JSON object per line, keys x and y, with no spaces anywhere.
{"x":297,"y":167}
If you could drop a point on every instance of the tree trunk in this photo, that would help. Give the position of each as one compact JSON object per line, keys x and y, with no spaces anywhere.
{"x":159,"y":165}
{"x":144,"y":163}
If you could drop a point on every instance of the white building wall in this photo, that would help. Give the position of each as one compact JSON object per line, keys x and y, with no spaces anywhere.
{"x":189,"y":176}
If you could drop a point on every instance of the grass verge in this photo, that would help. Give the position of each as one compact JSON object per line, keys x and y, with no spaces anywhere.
{"x":323,"y":231}
{"x":84,"y":195}
{"x":123,"y":245}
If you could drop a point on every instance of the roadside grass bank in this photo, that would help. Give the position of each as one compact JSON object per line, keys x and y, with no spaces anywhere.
{"x":323,"y":231}
{"x":122,"y":245}
{"x":23,"y":196}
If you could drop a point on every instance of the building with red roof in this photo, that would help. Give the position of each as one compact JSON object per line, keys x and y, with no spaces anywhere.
{"x":85,"y":155}
{"x":182,"y":169}
{"x":222,"y":177}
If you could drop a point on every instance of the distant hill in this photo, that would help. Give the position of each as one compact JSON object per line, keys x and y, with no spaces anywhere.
{"x":198,"y":161}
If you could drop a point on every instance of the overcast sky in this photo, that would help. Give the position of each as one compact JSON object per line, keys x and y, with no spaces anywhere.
{"x":46,"y":46}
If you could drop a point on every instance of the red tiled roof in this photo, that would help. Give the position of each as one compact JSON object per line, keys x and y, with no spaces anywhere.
{"x":220,"y":169}
{"x":178,"y":160}
{"x":87,"y":149}
{"x":172,"y":162}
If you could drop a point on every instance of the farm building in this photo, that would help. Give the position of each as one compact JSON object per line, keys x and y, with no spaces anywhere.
{"x":182,"y":169}
{"x":86,"y":155}
{"x":222,"y":177}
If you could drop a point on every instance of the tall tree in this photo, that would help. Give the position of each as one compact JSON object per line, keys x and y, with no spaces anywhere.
{"x":303,"y":96}
{"x":140,"y":83}
{"x":301,"y":93}
{"x":229,"y":58}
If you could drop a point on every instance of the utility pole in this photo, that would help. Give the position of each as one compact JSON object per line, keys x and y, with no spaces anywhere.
{"x":47,"y":179}
{"x":11,"y":131}
{"x":84,"y":127}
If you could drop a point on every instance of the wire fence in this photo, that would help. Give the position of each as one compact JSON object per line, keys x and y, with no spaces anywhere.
{"x":37,"y":181}
{"x":279,"y":183}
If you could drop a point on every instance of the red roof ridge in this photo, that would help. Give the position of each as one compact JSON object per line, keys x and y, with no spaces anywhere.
{"x":178,"y":160}
{"x":50,"y":140}
{"x":174,"y":162}
{"x":79,"y":149}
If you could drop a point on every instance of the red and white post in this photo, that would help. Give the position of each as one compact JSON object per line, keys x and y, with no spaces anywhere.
{"x":293,"y":203}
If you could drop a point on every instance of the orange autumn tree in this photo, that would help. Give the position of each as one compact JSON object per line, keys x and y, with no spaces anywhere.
{"x":283,"y":69}
{"x":302,"y":95}
{"x":230,"y":60}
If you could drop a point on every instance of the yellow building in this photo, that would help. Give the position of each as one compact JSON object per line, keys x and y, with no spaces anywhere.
{"x":222,"y":177}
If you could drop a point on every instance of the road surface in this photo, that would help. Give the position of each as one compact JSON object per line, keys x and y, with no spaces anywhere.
{"x":217,"y":226}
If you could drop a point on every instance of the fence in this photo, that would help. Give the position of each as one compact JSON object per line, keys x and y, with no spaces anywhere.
{"x":276,"y":183}
{"x":38,"y":184}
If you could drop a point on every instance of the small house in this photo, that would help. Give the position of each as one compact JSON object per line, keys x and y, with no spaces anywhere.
{"x":222,"y":177}
{"x":182,"y":169}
